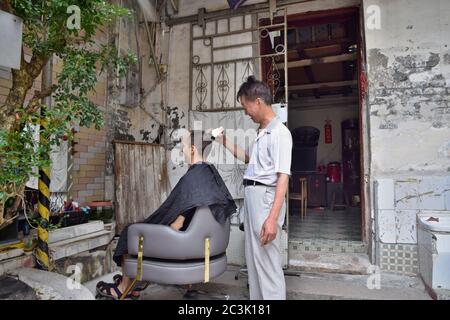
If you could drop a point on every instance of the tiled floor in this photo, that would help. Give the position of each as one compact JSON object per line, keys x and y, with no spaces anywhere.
{"x":326,"y":224}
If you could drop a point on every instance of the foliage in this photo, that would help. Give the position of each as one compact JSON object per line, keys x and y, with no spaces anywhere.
{"x":47,"y":35}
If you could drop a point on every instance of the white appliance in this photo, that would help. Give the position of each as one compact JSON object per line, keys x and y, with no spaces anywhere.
{"x":433,"y":237}
{"x":11,"y":35}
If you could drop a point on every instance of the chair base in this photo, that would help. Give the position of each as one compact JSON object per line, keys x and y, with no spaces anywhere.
{"x":175,"y":273}
{"x":242,"y":271}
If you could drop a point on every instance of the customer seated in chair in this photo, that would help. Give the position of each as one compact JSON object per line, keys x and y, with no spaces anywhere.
{"x":200,"y":186}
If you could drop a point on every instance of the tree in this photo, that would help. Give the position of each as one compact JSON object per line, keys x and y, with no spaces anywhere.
{"x":46,"y":33}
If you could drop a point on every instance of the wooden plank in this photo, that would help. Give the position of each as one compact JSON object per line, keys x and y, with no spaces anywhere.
{"x":164,"y":183}
{"x":135,"y":142}
{"x":125,"y":184}
{"x":138,"y":189}
{"x":324,"y":43}
{"x":323,"y":85}
{"x":149,"y":179}
{"x":118,"y":185}
{"x":310,"y":62}
{"x":133,"y":182}
{"x":153,"y":153}
{"x":143,"y":193}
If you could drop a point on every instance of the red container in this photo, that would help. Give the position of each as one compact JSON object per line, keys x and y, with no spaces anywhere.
{"x":334,"y":172}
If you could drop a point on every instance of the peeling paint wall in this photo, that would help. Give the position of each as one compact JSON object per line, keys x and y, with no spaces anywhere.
{"x":409,"y":96}
{"x":91,"y":264}
{"x":409,"y":86}
{"x":142,"y":119}
{"x":190,"y":7}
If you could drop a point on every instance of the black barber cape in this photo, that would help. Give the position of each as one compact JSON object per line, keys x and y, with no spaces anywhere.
{"x":202,"y":185}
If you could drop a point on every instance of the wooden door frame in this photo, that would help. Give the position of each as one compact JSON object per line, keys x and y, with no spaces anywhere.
{"x":336,"y":15}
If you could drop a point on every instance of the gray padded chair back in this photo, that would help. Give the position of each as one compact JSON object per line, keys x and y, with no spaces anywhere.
{"x":163,"y":242}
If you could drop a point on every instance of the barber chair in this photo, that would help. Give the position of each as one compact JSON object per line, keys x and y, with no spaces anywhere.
{"x":162,"y":255}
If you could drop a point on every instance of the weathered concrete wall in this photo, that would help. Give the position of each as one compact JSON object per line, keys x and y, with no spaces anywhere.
{"x":409,"y":95}
{"x":320,"y":5}
{"x":142,"y":119}
{"x":88,"y":265}
{"x":190,"y":7}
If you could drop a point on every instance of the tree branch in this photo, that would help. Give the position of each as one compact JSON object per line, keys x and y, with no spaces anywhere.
{"x":6,"y":6}
{"x":36,"y":65}
{"x":34,"y":103}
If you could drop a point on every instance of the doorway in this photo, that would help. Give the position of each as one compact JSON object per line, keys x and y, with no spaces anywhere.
{"x":324,"y":119}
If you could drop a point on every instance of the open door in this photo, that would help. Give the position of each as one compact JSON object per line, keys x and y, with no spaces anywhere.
{"x":326,"y":93}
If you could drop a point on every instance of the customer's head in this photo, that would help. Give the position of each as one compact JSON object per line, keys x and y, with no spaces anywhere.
{"x":256,"y":98}
{"x":196,"y":146}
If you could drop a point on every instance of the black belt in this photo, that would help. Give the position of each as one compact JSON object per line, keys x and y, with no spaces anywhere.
{"x":253,"y":183}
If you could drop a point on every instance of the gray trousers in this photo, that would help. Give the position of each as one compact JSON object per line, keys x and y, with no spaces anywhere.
{"x":265,"y":273}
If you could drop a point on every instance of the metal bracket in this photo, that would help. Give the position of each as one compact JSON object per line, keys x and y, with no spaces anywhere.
{"x":201,"y":17}
{"x":207,"y":253}
{"x":175,"y":5}
{"x":272,"y":9}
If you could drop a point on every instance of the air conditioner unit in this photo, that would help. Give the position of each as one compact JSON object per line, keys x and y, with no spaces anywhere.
{"x":11,"y":35}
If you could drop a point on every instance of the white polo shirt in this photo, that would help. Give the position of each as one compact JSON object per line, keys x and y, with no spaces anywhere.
{"x":270,"y":153}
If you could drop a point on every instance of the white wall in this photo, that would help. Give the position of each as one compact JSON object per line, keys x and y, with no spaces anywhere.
{"x":409,"y":94}
{"x":409,"y":70}
{"x":316,"y":118}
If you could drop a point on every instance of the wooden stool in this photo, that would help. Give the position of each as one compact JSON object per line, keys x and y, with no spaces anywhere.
{"x":303,"y":196}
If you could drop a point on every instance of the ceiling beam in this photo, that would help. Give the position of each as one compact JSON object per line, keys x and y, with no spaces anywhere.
{"x":323,"y":102}
{"x":309,"y":73}
{"x":310,"y":62}
{"x":225,"y":13}
{"x":323,"y":85}
{"x":324,"y":43}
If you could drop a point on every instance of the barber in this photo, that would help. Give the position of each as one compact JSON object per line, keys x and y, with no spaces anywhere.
{"x":266,"y":182}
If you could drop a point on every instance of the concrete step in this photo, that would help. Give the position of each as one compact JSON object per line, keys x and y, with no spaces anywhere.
{"x":328,"y":286}
{"x":11,"y":254}
{"x":75,"y":231}
{"x":346,"y":263}
{"x":25,"y":260}
{"x":69,"y":247}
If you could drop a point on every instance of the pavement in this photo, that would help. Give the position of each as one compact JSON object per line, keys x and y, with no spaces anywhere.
{"x":50,"y":285}
{"x":299,"y":286}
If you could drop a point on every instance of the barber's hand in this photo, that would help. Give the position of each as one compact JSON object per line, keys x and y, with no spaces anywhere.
{"x":219,"y":135}
{"x":220,"y":138}
{"x":268,"y":231}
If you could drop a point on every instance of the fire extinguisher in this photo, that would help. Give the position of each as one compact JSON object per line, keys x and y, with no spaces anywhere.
{"x":328,"y":132}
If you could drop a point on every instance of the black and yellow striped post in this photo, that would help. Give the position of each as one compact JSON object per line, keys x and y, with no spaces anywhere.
{"x":44,"y":212}
{"x":43,"y":260}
